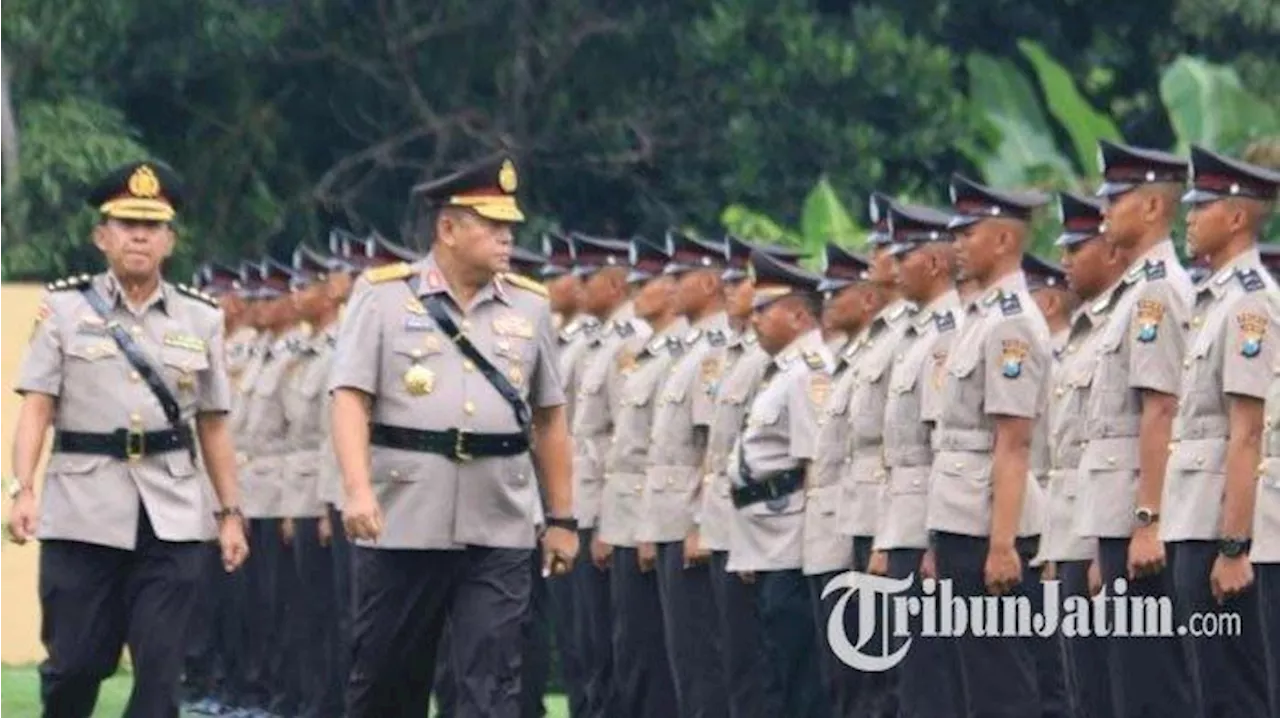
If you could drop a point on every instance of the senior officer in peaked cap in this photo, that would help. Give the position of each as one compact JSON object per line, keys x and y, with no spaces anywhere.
{"x":927,"y":680}
{"x":1212,"y":484}
{"x":768,"y":466}
{"x":993,"y":391}
{"x":673,"y":477}
{"x":1130,"y":413}
{"x":432,"y":432}
{"x":130,"y":372}
{"x":854,"y":300}
{"x":1093,"y":268}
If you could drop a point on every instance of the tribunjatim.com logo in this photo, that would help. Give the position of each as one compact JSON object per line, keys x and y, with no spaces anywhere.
{"x":935,"y":611}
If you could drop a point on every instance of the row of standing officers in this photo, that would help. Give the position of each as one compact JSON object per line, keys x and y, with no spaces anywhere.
{"x":718,"y":432}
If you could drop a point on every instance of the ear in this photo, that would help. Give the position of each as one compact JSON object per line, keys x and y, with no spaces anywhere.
{"x":446,"y":225}
{"x":170,"y":240}
{"x":1152,"y":207}
{"x":1238,"y":221}
{"x":100,"y":236}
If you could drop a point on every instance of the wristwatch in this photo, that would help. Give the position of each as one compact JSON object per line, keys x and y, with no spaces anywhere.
{"x":16,"y":487}
{"x":1145,"y":516}
{"x":1234,"y":547}
{"x":227,"y":512}
{"x":567,"y":523}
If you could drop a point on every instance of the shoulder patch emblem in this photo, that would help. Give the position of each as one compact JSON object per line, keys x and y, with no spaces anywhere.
{"x":1013,"y":352}
{"x":1250,"y":280}
{"x":196,"y":294}
{"x":1253,"y":327}
{"x":525,"y":283}
{"x":1154,"y":269}
{"x":389,"y":272}
{"x":1149,"y":314}
{"x":814,"y":360}
{"x":66,"y":283}
{"x":626,"y":360}
{"x":1010,"y":304}
{"x":819,"y":388}
{"x":709,"y":371}
{"x":944,"y":321}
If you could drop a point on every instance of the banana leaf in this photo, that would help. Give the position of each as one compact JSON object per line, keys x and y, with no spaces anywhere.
{"x":1084,"y":124}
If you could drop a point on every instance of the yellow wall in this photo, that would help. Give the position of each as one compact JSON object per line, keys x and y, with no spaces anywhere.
{"x":19,"y":604}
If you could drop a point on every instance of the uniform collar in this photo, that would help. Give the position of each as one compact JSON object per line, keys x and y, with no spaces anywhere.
{"x":718,"y":322}
{"x":1014,"y":282}
{"x":431,"y":281}
{"x":1105,"y":302}
{"x":942,"y":303}
{"x":108,"y":286}
{"x":1161,"y":251}
{"x":1221,"y":279}
{"x":810,"y":341}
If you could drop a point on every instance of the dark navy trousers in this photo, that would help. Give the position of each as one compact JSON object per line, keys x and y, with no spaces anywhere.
{"x":692,"y":634}
{"x":753,"y":688}
{"x":95,"y":600}
{"x":1088,"y":674}
{"x":927,"y":682}
{"x":1268,"y":577}
{"x":639,"y":657}
{"x":791,"y":642}
{"x":316,"y":617}
{"x":592,"y":632}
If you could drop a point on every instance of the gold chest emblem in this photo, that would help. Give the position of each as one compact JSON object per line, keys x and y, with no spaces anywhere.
{"x":419,"y":380}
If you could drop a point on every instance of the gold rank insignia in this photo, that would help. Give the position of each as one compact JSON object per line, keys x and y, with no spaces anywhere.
{"x":626,"y":361}
{"x":413,"y":306}
{"x":144,"y":183}
{"x":419,"y":380}
{"x":819,"y":389}
{"x":1253,"y":327}
{"x":507,"y":178}
{"x":513,"y":326}
{"x":184,"y":341}
{"x":186,"y":381}
{"x":516,"y":375}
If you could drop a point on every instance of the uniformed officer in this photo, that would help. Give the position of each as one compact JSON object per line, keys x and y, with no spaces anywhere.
{"x":854,"y":300}
{"x":431,"y":433}
{"x":320,"y":283}
{"x":1093,"y":268}
{"x":641,"y":670}
{"x":994,"y":387}
{"x":1265,"y":553}
{"x":1129,"y":415}
{"x":768,"y":465}
{"x":601,"y":264}
{"x":1209,"y":493}
{"x":753,"y":689}
{"x":121,"y":365}
{"x":927,"y":682}
{"x":682,"y":407}
{"x":865,"y":474}
{"x":1055,"y":302}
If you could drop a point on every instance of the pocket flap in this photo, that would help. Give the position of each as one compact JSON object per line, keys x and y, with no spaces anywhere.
{"x":418,"y":345}
{"x":962,"y":364}
{"x":92,"y":350}
{"x":71,"y":464}
{"x":1208,"y":456}
{"x":187,"y":360}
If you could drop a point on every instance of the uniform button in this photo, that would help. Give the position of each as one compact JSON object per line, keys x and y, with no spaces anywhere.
{"x":1071,"y":348}
{"x":1199,"y":461}
{"x":416,"y":353}
{"x":466,"y":325}
{"x":1186,"y":363}
{"x":135,"y":418}
{"x":468,"y":365}
{"x":1196,"y":321}
{"x":959,"y":465}
{"x":1111,"y":459}
{"x":136,"y":329}
{"x":915,"y":482}
{"x":395,"y":474}
{"x":135,"y":376}
{"x":469,"y":407}
{"x":1060,"y":391}
{"x":639,"y":488}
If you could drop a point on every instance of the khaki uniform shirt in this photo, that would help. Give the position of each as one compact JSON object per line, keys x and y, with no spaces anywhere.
{"x":825,"y":548}
{"x":71,"y":357}
{"x":1140,"y":348}
{"x":865,"y":476}
{"x":1266,"y":516}
{"x":681,"y":416}
{"x":575,"y":338}
{"x":1227,"y":355}
{"x":264,"y":439}
{"x":779,"y":435}
{"x":628,"y":454}
{"x":427,"y":500}
{"x":911,"y":408}
{"x":331,"y":490}
{"x":745,"y":363}
{"x":598,"y":402}
{"x":1071,"y":377}
{"x":306,"y":418}
{"x":998,"y":365}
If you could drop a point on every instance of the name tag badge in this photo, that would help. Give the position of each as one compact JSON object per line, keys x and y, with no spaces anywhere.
{"x":419,"y":323}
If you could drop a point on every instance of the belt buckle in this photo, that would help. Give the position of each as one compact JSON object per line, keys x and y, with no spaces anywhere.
{"x":134,"y":444}
{"x":459,"y":441}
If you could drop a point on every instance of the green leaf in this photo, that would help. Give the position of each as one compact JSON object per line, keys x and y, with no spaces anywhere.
{"x":1208,"y":106}
{"x":1073,"y":112}
{"x":1025,"y":152}
{"x":824,"y":218}
{"x":756,"y":226}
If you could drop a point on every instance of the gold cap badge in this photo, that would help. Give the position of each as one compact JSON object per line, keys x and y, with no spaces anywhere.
{"x":144,"y":183}
{"x":507,"y":179}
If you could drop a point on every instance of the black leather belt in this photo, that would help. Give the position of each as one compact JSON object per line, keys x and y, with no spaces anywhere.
{"x":454,"y":444}
{"x":773,"y":486}
{"x":124,"y":443}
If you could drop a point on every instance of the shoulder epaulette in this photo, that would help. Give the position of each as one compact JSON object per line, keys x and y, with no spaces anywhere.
{"x":717,"y":338}
{"x":66,"y":283}
{"x":1250,"y":280}
{"x":388,"y":272}
{"x":624,"y":329}
{"x":1154,"y":269}
{"x":525,"y":283}
{"x":692,"y":337}
{"x":196,"y":294}
{"x":1009,"y":304}
{"x":814,"y":360}
{"x":944,"y":321}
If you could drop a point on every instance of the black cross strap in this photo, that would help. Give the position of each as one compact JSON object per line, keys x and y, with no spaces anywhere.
{"x":139,"y":361}
{"x":435,"y":308}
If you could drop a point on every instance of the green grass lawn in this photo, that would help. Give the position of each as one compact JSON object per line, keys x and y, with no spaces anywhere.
{"x":20,"y":695}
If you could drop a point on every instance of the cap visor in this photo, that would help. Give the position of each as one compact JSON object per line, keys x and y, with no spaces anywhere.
{"x":1200,"y":196}
{"x":676,"y":268}
{"x":1113,"y":189}
{"x":585,"y":270}
{"x":899,"y":249}
{"x":960,"y":221}
{"x":832,"y":284}
{"x":551,"y":272}
{"x":733,"y":275}
{"x":636,"y":276}
{"x":878,"y":238}
{"x":1070,"y":239}
{"x":500,"y":212}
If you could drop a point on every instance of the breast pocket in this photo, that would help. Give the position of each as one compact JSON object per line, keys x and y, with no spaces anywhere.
{"x":963,"y":385}
{"x":183,"y":367}
{"x":869,"y":395}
